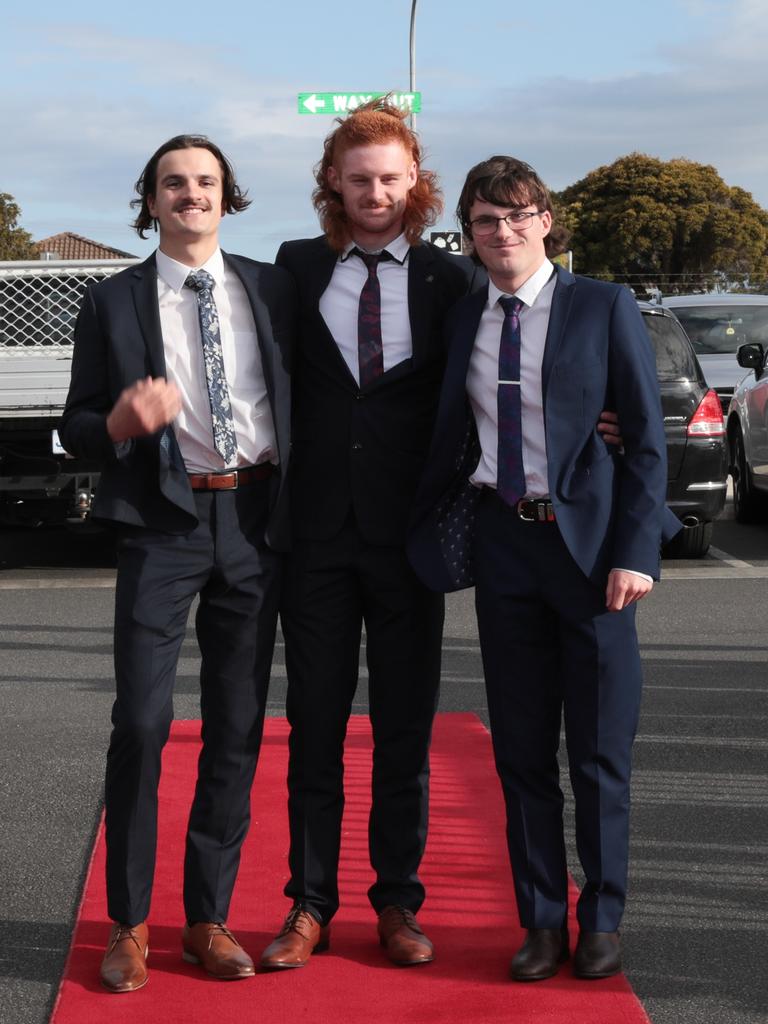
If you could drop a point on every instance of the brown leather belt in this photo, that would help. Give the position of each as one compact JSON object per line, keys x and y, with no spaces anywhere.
{"x":535,"y":510}
{"x":232,"y":480}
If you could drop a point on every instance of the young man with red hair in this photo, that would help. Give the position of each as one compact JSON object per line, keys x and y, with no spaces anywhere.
{"x":370,"y":359}
{"x":372,"y":300}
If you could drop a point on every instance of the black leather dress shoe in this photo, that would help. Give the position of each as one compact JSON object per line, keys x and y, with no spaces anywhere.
{"x":598,"y":955}
{"x":540,"y":955}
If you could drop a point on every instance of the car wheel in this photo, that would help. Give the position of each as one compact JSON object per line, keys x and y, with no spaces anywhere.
{"x":690,"y":542}
{"x":748,"y":505}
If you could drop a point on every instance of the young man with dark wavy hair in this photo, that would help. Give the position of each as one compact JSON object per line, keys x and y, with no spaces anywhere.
{"x":372,"y":298}
{"x":560,"y":536}
{"x":180,"y":390}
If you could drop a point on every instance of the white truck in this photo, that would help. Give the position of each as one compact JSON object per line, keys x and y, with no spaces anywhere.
{"x":39,"y":303}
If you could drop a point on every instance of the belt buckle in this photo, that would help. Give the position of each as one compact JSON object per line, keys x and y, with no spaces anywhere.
{"x":233,"y":487}
{"x":521,"y":514}
{"x":541,"y":510}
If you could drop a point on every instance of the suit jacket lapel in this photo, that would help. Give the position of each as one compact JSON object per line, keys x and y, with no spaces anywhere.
{"x":261,"y":319}
{"x":421,"y":289}
{"x":320,"y":271}
{"x":558,"y":318}
{"x":462,"y":340}
{"x":172,"y":473}
{"x":144,"y":288}
{"x":317,"y":275}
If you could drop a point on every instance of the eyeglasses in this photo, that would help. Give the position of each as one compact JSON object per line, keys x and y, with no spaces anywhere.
{"x":520,"y":220}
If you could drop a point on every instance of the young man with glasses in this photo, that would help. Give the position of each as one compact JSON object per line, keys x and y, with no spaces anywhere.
{"x":561,"y":536}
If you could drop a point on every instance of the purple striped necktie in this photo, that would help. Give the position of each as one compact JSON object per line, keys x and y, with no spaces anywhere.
{"x":510,"y":483}
{"x":370,"y":350}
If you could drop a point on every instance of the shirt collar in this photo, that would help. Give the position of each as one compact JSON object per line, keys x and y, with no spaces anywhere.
{"x":398,"y":249}
{"x":529,"y":290}
{"x":175,"y":274}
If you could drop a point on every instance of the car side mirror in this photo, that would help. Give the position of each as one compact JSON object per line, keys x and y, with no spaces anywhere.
{"x":751,"y":356}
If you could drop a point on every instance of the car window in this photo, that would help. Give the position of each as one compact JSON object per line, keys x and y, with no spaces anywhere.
{"x":674,"y":359}
{"x":723,"y":328}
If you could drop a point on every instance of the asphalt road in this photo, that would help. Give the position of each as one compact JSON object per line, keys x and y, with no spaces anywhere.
{"x":697,"y":922}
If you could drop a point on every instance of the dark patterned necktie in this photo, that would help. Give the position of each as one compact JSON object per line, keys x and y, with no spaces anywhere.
{"x":224,"y":438}
{"x":510,"y":483}
{"x":370,"y":351}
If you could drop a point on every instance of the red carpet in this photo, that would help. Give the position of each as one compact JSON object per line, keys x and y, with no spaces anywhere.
{"x":469,"y":912}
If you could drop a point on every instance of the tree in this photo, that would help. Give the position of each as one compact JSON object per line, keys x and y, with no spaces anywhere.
{"x":15,"y":243}
{"x":671,"y":224}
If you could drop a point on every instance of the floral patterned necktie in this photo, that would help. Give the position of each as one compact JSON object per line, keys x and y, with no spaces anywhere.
{"x":224,"y":438}
{"x":370,"y":350}
{"x":510,"y":482}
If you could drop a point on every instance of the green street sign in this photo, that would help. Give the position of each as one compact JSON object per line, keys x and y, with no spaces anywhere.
{"x":344,"y":102}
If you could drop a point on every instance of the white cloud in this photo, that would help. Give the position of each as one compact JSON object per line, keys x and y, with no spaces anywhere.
{"x":72,"y":153}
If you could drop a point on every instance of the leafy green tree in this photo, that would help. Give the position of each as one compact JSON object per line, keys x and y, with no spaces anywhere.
{"x":15,"y":243}
{"x":671,"y":224}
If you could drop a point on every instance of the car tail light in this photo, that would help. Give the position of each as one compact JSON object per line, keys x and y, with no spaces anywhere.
{"x":707,"y":421}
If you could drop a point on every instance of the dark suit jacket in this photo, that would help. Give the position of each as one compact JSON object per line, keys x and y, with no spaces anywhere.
{"x":364,"y":449}
{"x":609,"y":506}
{"x":118,"y":341}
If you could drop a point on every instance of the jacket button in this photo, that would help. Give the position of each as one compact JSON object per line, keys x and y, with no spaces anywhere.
{"x":356,"y":446}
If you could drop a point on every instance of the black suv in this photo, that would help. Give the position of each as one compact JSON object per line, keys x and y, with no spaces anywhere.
{"x":693,"y":422}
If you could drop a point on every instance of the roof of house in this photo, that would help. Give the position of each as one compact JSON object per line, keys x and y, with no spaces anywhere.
{"x":69,"y":246}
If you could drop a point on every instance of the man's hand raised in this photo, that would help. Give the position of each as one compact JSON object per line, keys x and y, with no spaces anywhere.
{"x":143,"y":408}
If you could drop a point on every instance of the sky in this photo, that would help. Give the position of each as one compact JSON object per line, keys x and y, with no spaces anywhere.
{"x":88,"y":90}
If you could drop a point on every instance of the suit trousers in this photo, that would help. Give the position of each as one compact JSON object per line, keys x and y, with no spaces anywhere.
{"x":552,"y":651}
{"x":332,"y":588}
{"x":225,"y":562}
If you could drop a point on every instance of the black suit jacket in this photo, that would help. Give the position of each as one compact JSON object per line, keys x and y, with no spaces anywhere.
{"x":364,"y":448}
{"x":118,"y":341}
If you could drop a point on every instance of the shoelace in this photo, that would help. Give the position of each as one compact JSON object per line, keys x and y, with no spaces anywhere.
{"x":220,"y":929}
{"x":298,"y":921}
{"x":122,"y":933}
{"x":403,"y":916}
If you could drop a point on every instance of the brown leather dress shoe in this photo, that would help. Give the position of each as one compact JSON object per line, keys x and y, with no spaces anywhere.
{"x":540,"y":955}
{"x":405,"y":943}
{"x":300,"y":937}
{"x":598,"y":955}
{"x":124,"y":967}
{"x":215,"y":948}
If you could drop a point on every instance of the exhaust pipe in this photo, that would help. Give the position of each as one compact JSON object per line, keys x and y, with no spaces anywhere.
{"x":81,"y":507}
{"x":689,"y":522}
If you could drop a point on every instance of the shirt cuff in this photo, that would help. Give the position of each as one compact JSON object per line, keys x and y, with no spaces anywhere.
{"x":634,"y":572}
{"x":122,"y":448}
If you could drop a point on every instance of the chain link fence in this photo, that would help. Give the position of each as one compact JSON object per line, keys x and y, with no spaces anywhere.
{"x":39,"y":301}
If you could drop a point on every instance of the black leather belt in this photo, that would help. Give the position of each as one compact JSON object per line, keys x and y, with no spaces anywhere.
{"x":535,"y":510}
{"x":232,"y":480}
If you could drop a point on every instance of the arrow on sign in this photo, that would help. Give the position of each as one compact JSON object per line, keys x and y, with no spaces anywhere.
{"x":346,"y":102}
{"x":313,"y":103}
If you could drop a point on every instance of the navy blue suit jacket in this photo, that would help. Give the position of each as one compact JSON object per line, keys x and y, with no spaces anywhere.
{"x":609,"y":507}
{"x":118,"y":341}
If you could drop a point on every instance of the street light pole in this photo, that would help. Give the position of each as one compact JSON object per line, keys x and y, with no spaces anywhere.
{"x":412,"y":61}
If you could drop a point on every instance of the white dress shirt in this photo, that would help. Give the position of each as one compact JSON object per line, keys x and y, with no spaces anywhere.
{"x":182,"y":345}
{"x":340,"y":302}
{"x":483,"y":379}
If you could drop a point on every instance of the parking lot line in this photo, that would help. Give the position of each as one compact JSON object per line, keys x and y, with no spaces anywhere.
{"x":723,"y":556}
{"x":46,"y":583}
